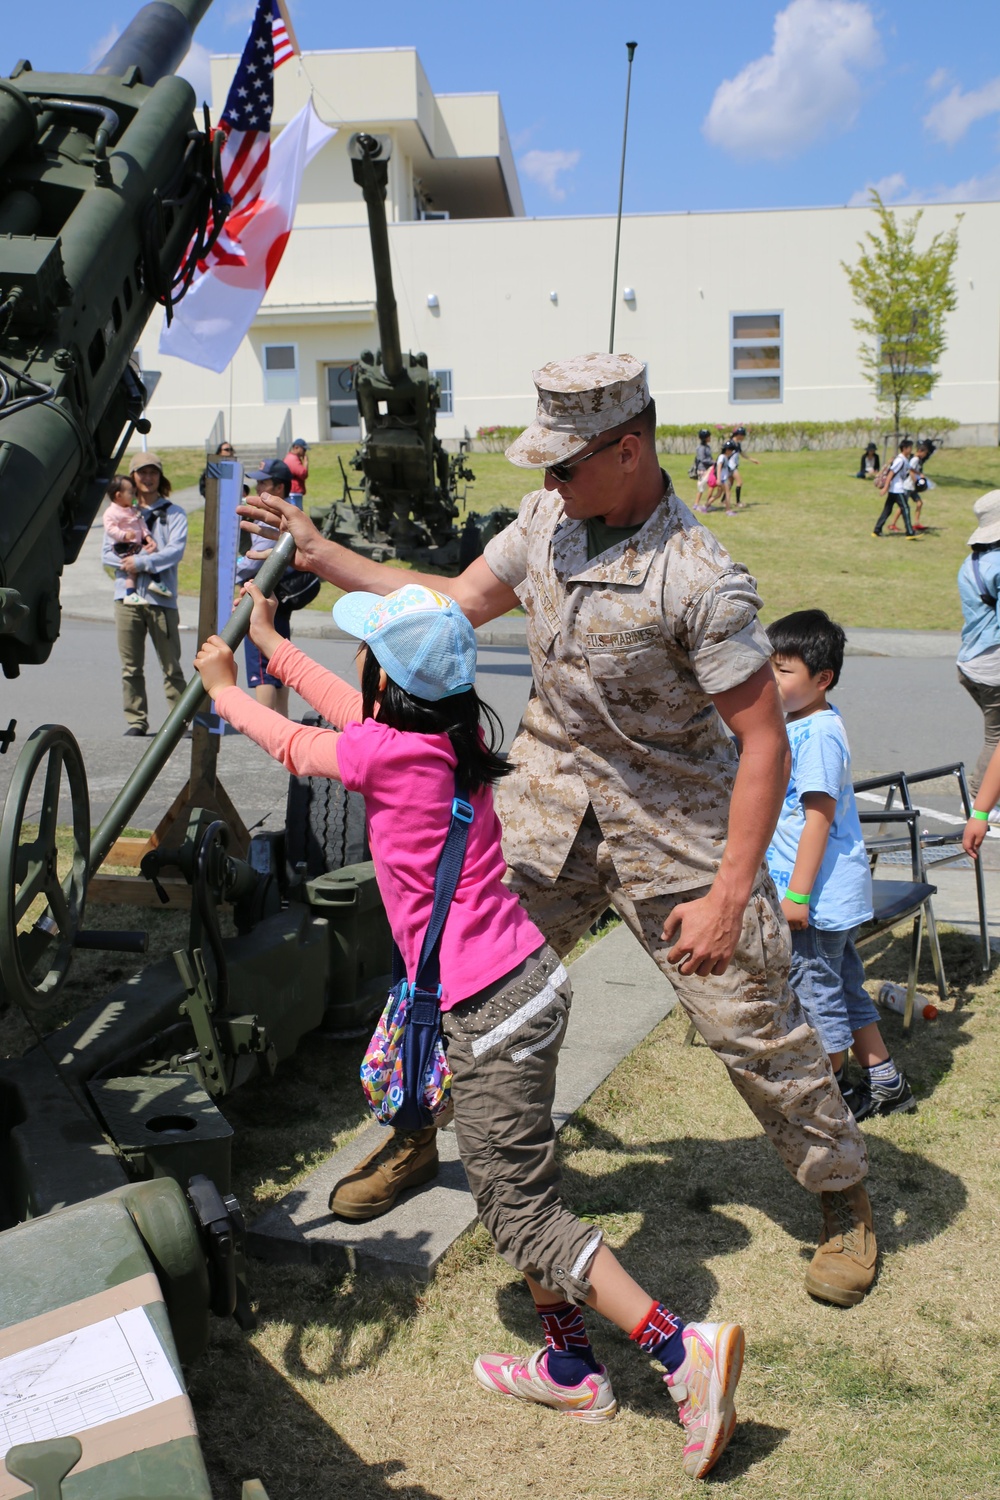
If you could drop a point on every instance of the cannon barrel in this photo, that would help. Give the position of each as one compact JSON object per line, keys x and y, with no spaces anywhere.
{"x":168,"y":737}
{"x":155,"y":41}
{"x":107,"y":192}
{"x":370,"y":163}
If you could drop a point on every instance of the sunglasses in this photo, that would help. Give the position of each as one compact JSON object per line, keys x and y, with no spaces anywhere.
{"x":561,"y":472}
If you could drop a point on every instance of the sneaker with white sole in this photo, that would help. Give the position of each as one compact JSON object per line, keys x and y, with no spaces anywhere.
{"x":508,"y":1375}
{"x":159,"y":590}
{"x":704,"y":1387}
{"x":870,"y":1097}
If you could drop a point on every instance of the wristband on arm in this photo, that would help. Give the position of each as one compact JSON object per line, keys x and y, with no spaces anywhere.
{"x":799,"y":900}
{"x":983,"y":816}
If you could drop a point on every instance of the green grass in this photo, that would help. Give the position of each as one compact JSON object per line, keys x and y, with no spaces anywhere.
{"x":359,"y":1386}
{"x":899,"y":1397}
{"x":805,"y":535}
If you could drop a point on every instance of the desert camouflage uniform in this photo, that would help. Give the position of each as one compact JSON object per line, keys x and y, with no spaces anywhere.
{"x":624,"y":773}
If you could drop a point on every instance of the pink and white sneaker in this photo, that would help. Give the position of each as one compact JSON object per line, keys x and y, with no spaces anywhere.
{"x":506,"y":1375}
{"x":704,"y":1387}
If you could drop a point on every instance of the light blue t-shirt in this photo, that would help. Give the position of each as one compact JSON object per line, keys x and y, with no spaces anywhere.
{"x":821,"y":762}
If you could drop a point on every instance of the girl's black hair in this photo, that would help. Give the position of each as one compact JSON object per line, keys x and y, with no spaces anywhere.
{"x":115,"y":487}
{"x":460,"y":717}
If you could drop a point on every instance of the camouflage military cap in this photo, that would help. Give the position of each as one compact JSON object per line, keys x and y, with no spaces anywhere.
{"x":577,"y":399}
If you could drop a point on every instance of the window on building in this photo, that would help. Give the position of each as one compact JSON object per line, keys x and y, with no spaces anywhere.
{"x":342,"y":403}
{"x":281,"y":372}
{"x":443,"y":378}
{"x":755,"y":362}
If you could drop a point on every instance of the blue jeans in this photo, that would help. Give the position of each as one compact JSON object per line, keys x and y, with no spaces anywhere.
{"x":828,"y":977}
{"x":257,"y":664}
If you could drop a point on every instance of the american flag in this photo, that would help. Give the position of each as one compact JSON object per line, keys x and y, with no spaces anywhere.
{"x":246,"y":125}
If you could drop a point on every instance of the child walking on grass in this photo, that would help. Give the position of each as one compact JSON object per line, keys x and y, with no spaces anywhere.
{"x":818,"y":862}
{"x":414,"y":732}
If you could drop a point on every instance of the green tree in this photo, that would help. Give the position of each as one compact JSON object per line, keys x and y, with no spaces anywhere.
{"x":906,"y":294}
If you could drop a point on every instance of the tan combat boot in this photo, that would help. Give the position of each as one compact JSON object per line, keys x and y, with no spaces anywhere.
{"x":843,"y":1267}
{"x":403,"y":1161}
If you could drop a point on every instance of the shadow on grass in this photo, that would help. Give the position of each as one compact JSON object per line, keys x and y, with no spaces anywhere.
{"x":954,"y":482}
{"x":241,"y":1404}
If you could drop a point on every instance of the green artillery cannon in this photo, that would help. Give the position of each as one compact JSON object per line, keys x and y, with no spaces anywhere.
{"x":118,"y":1231}
{"x":411,"y":487}
{"x":123,"y":1137}
{"x":108,"y":195}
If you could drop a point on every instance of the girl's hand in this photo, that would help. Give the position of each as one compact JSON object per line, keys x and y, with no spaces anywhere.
{"x":216,"y":666}
{"x":262,"y":631}
{"x":975,"y":832}
{"x":796,"y":914}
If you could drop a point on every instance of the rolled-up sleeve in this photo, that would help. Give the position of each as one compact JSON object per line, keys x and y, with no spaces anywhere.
{"x":506,"y":553}
{"x":724,"y":637}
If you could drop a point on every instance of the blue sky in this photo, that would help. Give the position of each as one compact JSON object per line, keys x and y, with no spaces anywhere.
{"x":750,"y":105}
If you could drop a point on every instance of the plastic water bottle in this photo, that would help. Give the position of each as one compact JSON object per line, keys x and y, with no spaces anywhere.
{"x":893,"y":997}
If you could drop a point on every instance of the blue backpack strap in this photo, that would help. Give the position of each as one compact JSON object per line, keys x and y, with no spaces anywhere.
{"x":445,"y":885}
{"x":984,"y":594}
{"x":424,"y":1018}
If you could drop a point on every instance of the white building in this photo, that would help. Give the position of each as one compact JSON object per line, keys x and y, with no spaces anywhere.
{"x":739,"y":315}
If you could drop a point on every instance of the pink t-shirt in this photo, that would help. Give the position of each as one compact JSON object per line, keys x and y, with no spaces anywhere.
{"x":408,"y":783}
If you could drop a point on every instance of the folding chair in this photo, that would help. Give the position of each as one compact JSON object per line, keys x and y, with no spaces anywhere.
{"x":938,"y":849}
{"x":897,"y":901}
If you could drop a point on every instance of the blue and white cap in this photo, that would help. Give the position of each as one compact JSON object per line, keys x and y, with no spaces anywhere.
{"x":420,"y":637}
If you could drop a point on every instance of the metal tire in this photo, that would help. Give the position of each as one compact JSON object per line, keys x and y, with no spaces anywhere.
{"x":29,"y":870}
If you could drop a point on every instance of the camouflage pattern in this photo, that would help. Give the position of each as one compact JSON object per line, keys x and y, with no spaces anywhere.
{"x":626,"y":651}
{"x":578,"y":399}
{"x":749,"y":1016}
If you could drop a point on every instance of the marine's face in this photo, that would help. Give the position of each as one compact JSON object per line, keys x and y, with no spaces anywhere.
{"x":591,"y":488}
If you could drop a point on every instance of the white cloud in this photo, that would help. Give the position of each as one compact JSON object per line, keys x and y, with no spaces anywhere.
{"x":104,"y":43}
{"x":939,"y":79}
{"x":888,"y":188}
{"x":808,"y":84}
{"x":544,"y":168}
{"x":895,"y":190}
{"x":197,"y":69}
{"x":951,"y":117}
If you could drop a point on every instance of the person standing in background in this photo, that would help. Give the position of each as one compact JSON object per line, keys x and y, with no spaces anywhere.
{"x":739,"y":433}
{"x":155,"y":614}
{"x":979,"y":653}
{"x":297,"y":463}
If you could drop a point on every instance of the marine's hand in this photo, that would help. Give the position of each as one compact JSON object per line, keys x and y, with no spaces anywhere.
{"x":216,"y":666}
{"x":796,"y":914}
{"x":975,"y":832}
{"x":262,"y":631}
{"x":267,"y":516}
{"x":707,"y":931}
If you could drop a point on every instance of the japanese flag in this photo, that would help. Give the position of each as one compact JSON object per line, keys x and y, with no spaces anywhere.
{"x":213,"y":318}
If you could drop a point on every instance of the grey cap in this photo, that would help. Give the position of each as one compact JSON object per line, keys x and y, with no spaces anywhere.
{"x":987,"y":513}
{"x":578,"y":399}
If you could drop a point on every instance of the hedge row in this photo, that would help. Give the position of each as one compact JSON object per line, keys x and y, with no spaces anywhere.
{"x":773,"y":437}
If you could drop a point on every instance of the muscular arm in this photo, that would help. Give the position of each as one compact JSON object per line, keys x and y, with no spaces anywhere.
{"x":478,"y":590}
{"x":708,"y":930}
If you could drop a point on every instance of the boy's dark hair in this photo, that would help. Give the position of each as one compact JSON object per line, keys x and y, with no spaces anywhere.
{"x":474,"y":729}
{"x":813,"y":638}
{"x":906,"y":442}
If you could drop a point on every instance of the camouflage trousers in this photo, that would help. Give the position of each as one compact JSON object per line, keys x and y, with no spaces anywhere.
{"x":749,"y":1015}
